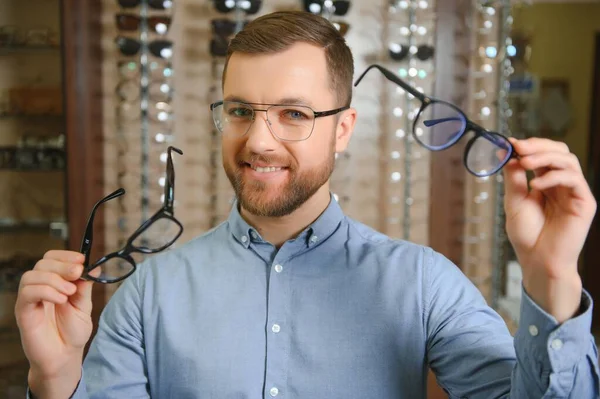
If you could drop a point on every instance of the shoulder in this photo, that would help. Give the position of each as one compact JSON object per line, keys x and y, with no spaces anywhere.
{"x":196,"y":251}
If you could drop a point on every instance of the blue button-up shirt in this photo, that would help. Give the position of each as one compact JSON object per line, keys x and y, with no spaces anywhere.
{"x":341,"y":311}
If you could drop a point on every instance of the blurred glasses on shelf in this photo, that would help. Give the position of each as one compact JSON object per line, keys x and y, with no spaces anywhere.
{"x":154,"y":4}
{"x":250,"y":7}
{"x":337,"y":7}
{"x":159,"y":48}
{"x":130,"y":23}
{"x":439,"y":125}
{"x":156,"y":234}
{"x":399,"y":52}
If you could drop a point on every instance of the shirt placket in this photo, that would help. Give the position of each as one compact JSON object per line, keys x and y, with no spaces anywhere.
{"x":277,"y":330}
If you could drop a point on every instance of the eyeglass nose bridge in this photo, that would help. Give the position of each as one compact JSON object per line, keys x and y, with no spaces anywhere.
{"x":266,"y":119}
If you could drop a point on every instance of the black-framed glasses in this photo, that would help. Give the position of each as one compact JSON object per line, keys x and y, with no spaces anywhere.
{"x":286,"y":122}
{"x":156,"y":234}
{"x":129,"y":22}
{"x":439,"y":125}
{"x":338,"y":7}
{"x":399,"y":52}
{"x":130,"y":47}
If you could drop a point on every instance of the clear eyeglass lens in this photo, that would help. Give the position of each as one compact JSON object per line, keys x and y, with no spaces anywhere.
{"x":488,"y":153}
{"x":159,"y":235}
{"x":113,"y":269}
{"x":288,"y":122}
{"x":440,"y":125}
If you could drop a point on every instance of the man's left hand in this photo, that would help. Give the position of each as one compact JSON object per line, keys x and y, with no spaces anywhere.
{"x":548,"y":221}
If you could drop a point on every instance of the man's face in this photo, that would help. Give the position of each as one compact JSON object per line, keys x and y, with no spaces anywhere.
{"x":273,"y":177}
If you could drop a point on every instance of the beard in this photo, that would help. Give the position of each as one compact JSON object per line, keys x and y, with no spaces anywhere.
{"x":255,"y":196}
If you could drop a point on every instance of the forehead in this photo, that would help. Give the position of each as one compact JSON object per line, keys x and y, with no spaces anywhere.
{"x":297,"y":72}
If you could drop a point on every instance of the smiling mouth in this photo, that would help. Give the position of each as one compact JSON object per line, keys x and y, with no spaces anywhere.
{"x":265,"y":169}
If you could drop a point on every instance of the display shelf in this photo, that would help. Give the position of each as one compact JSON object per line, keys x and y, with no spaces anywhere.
{"x":22,"y":49}
{"x":40,"y":226}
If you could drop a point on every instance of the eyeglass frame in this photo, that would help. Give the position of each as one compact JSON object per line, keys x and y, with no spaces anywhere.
{"x":317,"y":114}
{"x":468,"y":125}
{"x":165,"y":212}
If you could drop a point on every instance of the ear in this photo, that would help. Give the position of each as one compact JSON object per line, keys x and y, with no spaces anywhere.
{"x":345,"y":127}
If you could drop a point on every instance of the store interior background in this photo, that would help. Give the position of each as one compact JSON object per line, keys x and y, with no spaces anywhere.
{"x":67,"y":139}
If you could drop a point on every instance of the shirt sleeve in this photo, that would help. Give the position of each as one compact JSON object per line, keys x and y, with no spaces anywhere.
{"x":115,"y":366}
{"x":473,"y":355}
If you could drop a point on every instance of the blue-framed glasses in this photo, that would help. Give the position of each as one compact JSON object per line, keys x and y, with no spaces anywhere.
{"x":439,"y":125}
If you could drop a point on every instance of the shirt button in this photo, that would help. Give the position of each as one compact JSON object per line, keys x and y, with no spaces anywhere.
{"x":278,"y":268}
{"x":533,"y":330}
{"x":274,"y":391}
{"x":254,"y":235}
{"x":276,"y":328}
{"x":556,"y":344}
{"x":314,"y":239}
{"x":244,"y":238}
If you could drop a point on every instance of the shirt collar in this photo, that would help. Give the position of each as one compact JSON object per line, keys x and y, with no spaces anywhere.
{"x":318,"y":231}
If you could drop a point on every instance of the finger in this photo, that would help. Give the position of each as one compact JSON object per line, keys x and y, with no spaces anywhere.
{"x":536,"y":144}
{"x":551,"y":160}
{"x":68,"y":271}
{"x":65,"y":256}
{"x":34,"y":294}
{"x":37,"y":277}
{"x":563,"y":178}
{"x":515,"y":185}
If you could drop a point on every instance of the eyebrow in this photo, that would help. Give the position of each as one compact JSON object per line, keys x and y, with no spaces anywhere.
{"x":282,"y":101}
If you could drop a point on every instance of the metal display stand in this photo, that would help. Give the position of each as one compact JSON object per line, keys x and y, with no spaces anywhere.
{"x":499,"y":239}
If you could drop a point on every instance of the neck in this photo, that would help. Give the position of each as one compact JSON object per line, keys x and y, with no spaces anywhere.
{"x":278,"y":230}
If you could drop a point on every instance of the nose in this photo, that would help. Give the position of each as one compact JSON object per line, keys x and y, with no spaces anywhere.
{"x":260,"y":138}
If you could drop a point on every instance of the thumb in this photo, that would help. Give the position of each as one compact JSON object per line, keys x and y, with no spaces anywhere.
{"x":82,"y":298}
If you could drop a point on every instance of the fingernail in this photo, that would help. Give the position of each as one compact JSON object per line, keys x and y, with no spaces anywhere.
{"x":75,"y":269}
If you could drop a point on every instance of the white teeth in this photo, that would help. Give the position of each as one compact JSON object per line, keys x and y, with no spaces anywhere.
{"x":265,"y":170}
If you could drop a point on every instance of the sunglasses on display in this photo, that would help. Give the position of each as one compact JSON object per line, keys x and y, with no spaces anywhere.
{"x":154,"y":4}
{"x":225,"y":27}
{"x":439,"y":125}
{"x":156,"y":234}
{"x":218,"y":46}
{"x":399,"y":52}
{"x":338,"y":7}
{"x":250,"y":7}
{"x":131,"y":23}
{"x":158,"y":48}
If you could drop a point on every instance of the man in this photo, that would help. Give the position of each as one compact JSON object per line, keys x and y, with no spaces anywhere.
{"x":289,"y":298}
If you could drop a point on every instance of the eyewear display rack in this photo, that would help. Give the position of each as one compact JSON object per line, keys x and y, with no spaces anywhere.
{"x":410,"y":32}
{"x":503,"y":113}
{"x":484,"y":239}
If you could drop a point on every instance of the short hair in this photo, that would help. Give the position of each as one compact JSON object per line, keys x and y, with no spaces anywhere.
{"x":275,"y":32}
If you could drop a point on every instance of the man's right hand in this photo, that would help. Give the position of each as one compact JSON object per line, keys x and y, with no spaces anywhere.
{"x":53,"y":312}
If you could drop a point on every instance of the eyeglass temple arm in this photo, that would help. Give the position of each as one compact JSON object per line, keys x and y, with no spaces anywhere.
{"x":392,"y":77}
{"x":88,"y":236}
{"x":170,"y":183}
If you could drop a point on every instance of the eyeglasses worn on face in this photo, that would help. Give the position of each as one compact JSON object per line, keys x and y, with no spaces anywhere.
{"x":156,"y":234}
{"x":439,"y":125}
{"x":286,"y":122}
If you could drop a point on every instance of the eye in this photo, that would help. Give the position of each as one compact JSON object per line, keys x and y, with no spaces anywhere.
{"x":240,"y":112}
{"x":294,"y":114}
